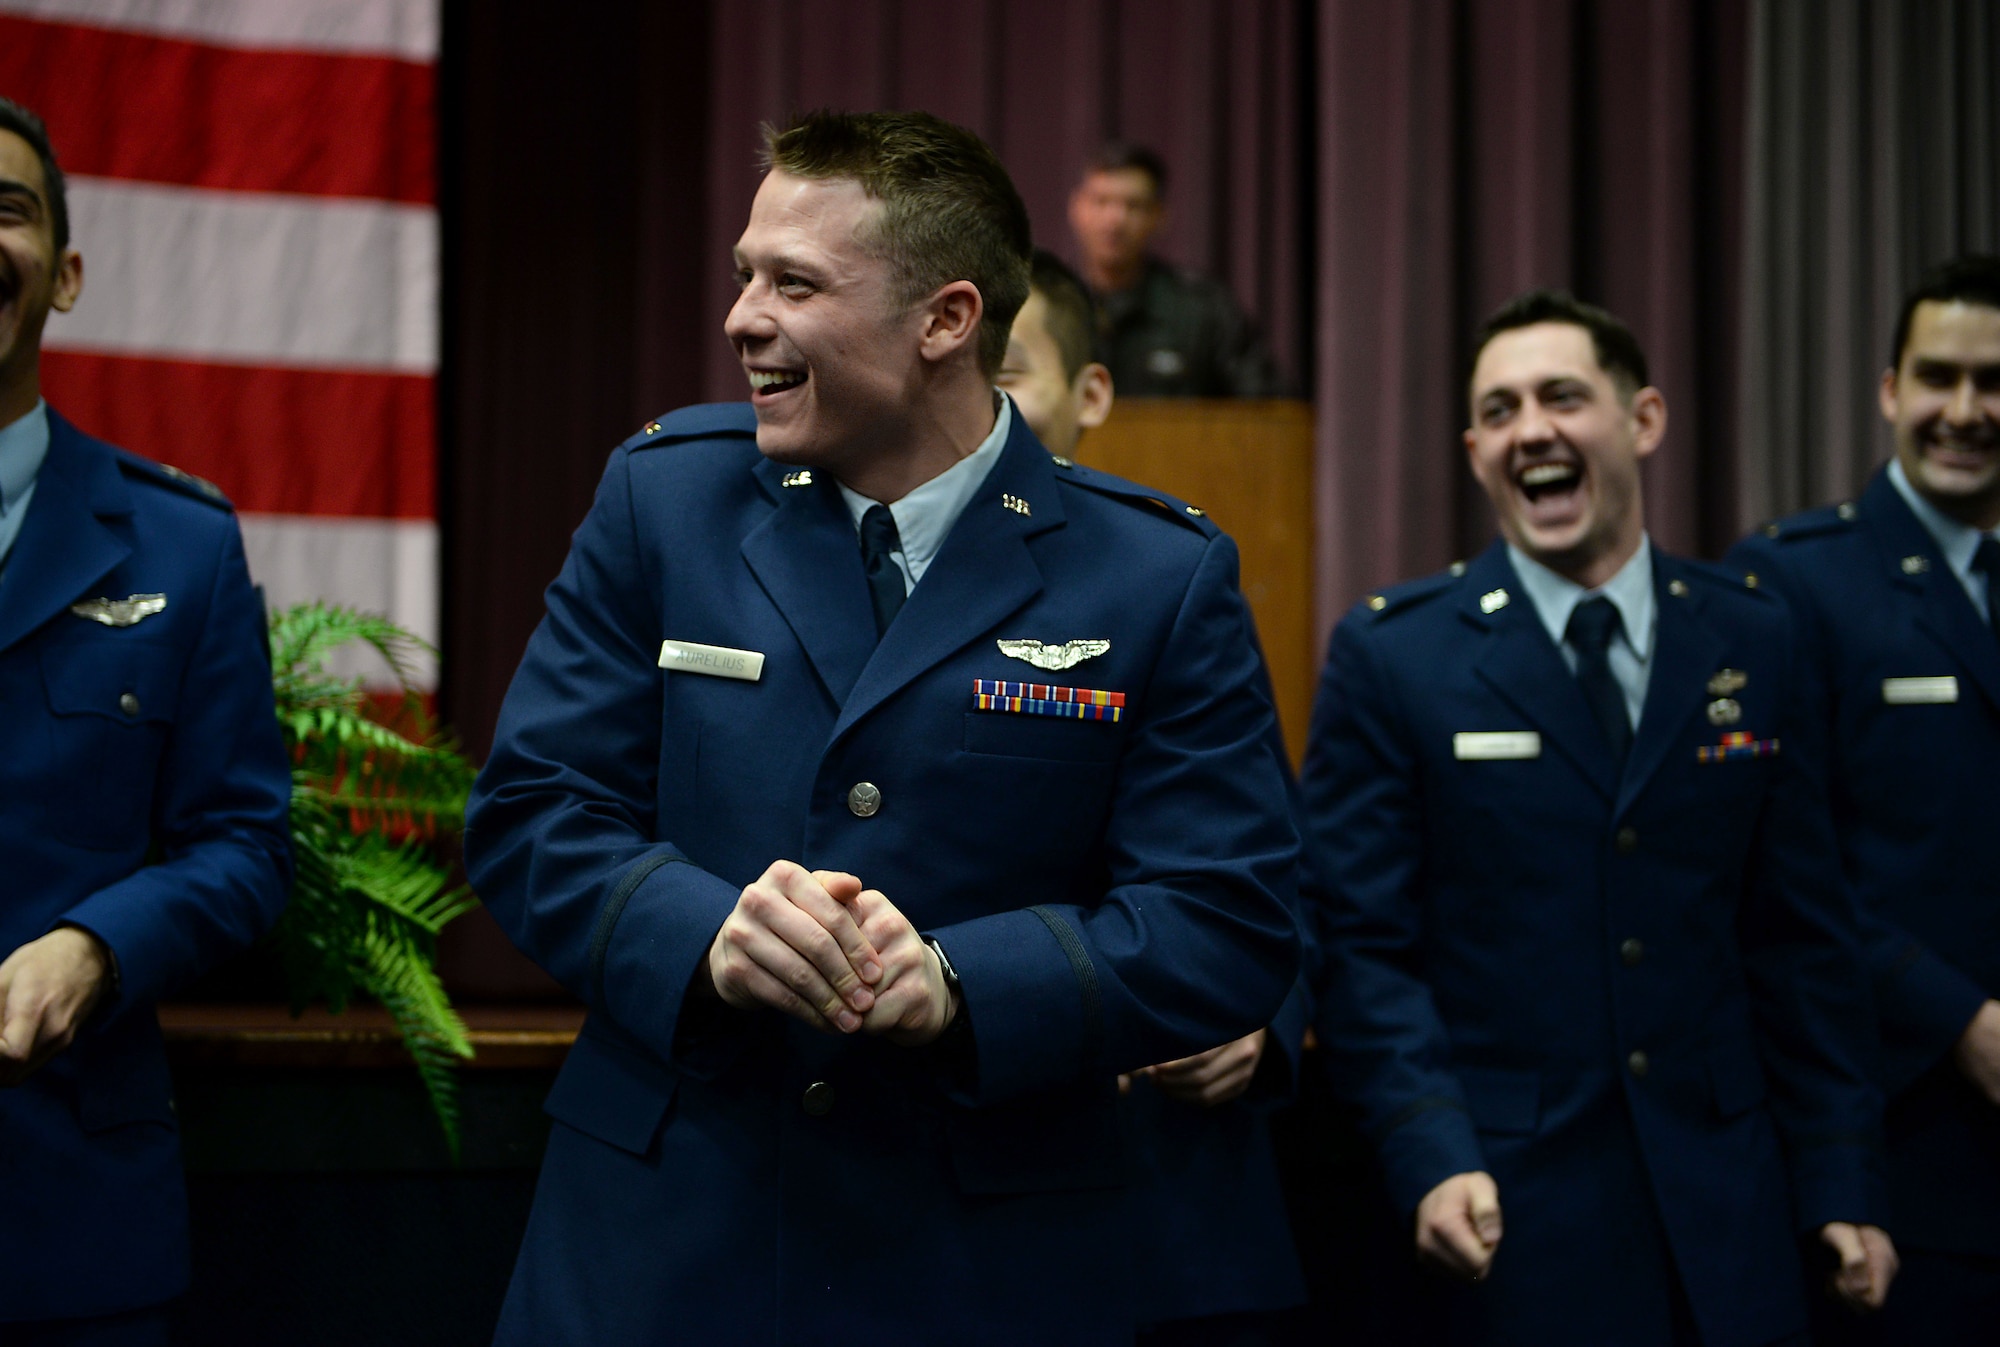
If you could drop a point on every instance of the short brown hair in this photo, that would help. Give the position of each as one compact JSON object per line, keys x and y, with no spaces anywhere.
{"x":1072,"y":316}
{"x":1618,"y":352}
{"x":950,"y":212}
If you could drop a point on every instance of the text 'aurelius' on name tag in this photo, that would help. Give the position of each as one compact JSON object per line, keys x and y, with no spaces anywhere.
{"x":1920,"y":691}
{"x":1495,"y":745}
{"x":717,"y":661}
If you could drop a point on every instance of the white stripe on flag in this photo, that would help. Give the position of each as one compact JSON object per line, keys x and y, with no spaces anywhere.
{"x":405,"y":29}
{"x":387,"y":566}
{"x":252,"y":278}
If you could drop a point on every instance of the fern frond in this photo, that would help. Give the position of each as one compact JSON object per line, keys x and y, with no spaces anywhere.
{"x":367,"y":906}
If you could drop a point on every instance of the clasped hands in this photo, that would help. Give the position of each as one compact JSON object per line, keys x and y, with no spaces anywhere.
{"x":1459,"y":1228}
{"x":819,"y":947}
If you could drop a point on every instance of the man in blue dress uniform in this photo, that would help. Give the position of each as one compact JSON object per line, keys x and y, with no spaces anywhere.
{"x":1213,"y":1248}
{"x":885,"y":788}
{"x":1896,"y":600}
{"x":1590,"y":961}
{"x":143,"y":788}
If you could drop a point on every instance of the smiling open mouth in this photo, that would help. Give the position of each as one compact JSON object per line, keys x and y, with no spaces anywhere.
{"x":770,"y":383}
{"x":1548,"y":479}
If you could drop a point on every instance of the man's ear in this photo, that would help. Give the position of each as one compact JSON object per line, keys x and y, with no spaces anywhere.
{"x":1649,"y":416}
{"x":69,"y":281}
{"x":1888,"y":395}
{"x":951,"y":320}
{"x":1093,"y":395}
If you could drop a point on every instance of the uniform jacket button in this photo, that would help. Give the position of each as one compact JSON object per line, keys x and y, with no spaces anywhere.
{"x":129,"y":703}
{"x":819,"y":1099}
{"x":1637,"y":1064}
{"x":864,"y":799}
{"x":1628,"y":839}
{"x":1631,"y":951}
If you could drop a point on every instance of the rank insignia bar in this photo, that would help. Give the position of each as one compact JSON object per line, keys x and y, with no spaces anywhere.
{"x":1737,"y":745}
{"x":1041,"y":699}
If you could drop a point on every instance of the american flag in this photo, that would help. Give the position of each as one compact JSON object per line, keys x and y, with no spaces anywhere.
{"x":253,"y":187}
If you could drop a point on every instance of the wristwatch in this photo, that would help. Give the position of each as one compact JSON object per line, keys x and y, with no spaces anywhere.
{"x":951,"y":983}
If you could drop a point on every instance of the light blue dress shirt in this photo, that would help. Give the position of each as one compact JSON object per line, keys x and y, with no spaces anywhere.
{"x":925,"y":516}
{"x":1958,"y":542}
{"x":23,"y":446}
{"x":1631,"y":591}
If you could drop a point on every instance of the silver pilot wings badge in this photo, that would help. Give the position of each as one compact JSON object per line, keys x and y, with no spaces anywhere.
{"x":121,"y":612}
{"x":1053,"y":657}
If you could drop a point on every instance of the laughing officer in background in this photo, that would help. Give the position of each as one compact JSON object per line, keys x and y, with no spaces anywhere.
{"x":885,"y":789}
{"x":1592,"y":978}
{"x":143,"y":788}
{"x":1898,"y":598}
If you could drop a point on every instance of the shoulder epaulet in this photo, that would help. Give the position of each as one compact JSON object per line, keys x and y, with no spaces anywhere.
{"x":1718,"y":575}
{"x":1158,"y":502}
{"x":1407,"y":595}
{"x":172,"y":478}
{"x":705,"y":421}
{"x":1812,"y":523}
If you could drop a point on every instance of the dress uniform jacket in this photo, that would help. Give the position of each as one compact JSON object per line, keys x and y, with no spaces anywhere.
{"x":143,"y":789}
{"x":1112,"y":892}
{"x":1634,"y":999}
{"x":1210,"y":1233}
{"x":1908,"y":680}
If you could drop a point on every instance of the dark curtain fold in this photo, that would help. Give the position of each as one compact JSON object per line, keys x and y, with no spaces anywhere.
{"x":1471,"y":150}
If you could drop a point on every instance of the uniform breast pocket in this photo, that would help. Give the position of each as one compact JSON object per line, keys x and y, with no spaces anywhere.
{"x":1049,"y":738}
{"x":111,"y":705}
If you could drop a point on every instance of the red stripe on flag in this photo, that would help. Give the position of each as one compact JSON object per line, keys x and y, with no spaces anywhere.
{"x":156,"y":109}
{"x":280,"y":441}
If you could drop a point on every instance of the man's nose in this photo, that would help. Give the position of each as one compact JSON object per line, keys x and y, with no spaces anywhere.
{"x":1533,"y":426}
{"x":747,"y":318}
{"x":1963,"y":408}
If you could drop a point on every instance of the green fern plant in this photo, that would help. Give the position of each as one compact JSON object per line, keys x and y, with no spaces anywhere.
{"x":374,"y":798}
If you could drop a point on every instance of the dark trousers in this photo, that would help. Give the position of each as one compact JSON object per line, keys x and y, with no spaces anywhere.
{"x":152,"y":1327}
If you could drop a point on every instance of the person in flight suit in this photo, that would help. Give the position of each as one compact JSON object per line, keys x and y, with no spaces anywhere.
{"x":143,"y":794}
{"x":1896,"y":599}
{"x":1590,"y":960}
{"x":1213,"y":1255}
{"x":885,"y":788}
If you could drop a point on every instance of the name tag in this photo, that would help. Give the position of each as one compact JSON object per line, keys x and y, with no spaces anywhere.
{"x":1919,"y":691}
{"x":1495,"y":745}
{"x":718,"y":661}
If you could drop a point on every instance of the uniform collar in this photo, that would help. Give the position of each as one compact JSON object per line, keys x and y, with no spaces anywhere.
{"x":1956,"y":541}
{"x":925,"y":516}
{"x":23,"y":446}
{"x":1556,"y":596}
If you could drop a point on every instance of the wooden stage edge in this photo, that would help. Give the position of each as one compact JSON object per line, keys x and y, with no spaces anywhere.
{"x":362,"y":1036}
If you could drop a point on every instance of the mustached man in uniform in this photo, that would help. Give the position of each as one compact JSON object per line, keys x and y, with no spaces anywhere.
{"x":885,"y":788}
{"x":143,"y":791}
{"x":1898,"y":600}
{"x":1593,"y":981}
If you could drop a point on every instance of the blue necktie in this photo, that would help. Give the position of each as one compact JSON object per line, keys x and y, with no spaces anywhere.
{"x":1987,"y":559}
{"x":1592,"y":624}
{"x":885,"y":582}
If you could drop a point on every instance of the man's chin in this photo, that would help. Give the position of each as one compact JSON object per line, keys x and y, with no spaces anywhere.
{"x":1957,"y":476}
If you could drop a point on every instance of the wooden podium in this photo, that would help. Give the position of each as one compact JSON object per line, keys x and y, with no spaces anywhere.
{"x":1249,"y":465}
